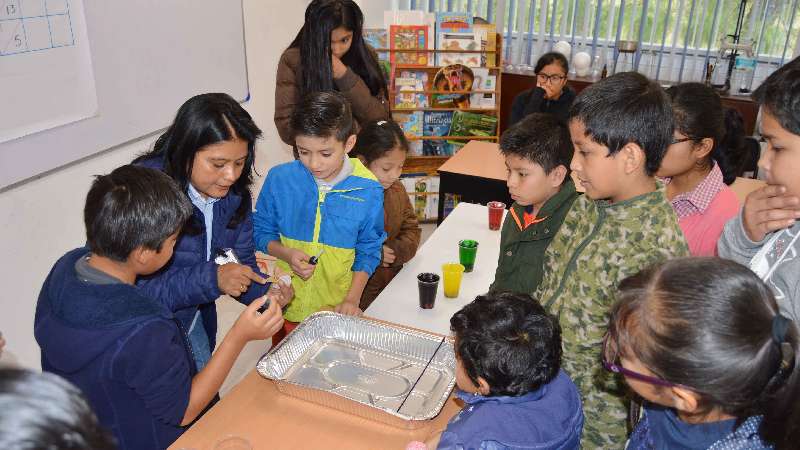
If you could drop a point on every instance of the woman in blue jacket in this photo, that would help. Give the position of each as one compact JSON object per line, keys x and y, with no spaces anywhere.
{"x":209,"y":151}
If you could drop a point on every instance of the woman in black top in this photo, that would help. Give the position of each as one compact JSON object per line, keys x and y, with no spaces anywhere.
{"x":551,"y":93}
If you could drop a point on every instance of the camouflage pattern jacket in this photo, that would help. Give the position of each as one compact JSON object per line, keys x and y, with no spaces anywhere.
{"x":599,"y":244}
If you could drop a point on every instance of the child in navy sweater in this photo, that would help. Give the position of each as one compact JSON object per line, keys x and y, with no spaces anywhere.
{"x":123,"y":349}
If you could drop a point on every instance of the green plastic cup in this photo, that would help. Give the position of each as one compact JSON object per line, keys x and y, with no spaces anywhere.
{"x":467,"y":249}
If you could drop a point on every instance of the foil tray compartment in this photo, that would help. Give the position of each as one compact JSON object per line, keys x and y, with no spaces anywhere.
{"x":377,"y":371}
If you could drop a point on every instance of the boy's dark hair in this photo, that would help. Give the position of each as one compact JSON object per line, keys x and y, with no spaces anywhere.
{"x":699,"y":114}
{"x":133,"y":207}
{"x":509,"y":340}
{"x":625,"y":108}
{"x":550,"y":58}
{"x":707,"y":323}
{"x":780,"y":94}
{"x":323,"y":115}
{"x":378,"y":138}
{"x":44,"y":411}
{"x":204,"y":120}
{"x":540,"y":138}
{"x":314,"y":42}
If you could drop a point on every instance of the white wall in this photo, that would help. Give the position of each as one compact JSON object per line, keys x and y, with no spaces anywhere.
{"x":42,"y":219}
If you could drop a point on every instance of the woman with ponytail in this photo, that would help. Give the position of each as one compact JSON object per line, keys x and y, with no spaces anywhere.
{"x":329,"y":54}
{"x":706,"y":155}
{"x":703,"y":342}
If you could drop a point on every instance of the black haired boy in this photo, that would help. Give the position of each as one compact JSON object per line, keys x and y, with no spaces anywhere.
{"x":125,"y":351}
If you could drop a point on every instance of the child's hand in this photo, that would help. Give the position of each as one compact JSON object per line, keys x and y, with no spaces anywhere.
{"x":252,"y":325}
{"x":283,"y":294}
{"x":234,"y":279}
{"x":388,"y":256}
{"x":348,"y":308}
{"x":337,"y":67}
{"x":768,"y":209}
{"x":298,"y":261}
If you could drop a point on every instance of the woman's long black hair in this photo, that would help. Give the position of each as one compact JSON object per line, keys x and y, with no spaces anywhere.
{"x":314,"y":42}
{"x":203,"y":120}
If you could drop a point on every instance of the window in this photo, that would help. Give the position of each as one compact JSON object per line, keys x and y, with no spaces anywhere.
{"x":676,"y":39}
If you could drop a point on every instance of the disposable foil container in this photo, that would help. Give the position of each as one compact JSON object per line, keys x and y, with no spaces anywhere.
{"x":370,"y":369}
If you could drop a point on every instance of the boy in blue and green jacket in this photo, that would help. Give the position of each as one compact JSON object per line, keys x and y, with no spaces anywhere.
{"x":322,"y":215}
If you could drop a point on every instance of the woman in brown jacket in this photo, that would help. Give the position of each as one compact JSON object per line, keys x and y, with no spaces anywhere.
{"x":329,"y":54}
{"x":382,"y":147}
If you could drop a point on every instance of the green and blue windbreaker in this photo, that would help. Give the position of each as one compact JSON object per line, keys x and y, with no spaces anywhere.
{"x":347,"y":222}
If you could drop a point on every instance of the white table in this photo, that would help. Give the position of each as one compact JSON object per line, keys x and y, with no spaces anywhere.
{"x":399,"y":302}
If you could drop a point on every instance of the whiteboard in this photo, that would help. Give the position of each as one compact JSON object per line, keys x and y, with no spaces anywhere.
{"x":148,"y":57}
{"x":45,"y":67}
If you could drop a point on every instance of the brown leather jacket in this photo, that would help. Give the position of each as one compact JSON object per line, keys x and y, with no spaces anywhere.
{"x":403,"y":234}
{"x":366,"y":108}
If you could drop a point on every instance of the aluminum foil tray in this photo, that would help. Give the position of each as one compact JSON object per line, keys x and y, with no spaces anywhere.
{"x":377,"y":371}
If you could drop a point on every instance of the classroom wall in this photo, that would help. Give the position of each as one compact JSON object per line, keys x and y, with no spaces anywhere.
{"x":42,"y":219}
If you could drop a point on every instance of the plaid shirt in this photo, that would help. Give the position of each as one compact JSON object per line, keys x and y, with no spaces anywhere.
{"x":696,"y":201}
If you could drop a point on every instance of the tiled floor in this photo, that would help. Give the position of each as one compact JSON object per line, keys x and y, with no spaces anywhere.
{"x":228,"y":311}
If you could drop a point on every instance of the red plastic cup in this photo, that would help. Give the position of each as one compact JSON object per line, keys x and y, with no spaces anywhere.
{"x":495,"y":214}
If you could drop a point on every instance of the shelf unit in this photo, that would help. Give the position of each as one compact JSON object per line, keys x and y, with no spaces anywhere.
{"x":428,"y":165}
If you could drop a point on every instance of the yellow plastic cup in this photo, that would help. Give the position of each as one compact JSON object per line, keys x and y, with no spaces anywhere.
{"x":452,"y":273}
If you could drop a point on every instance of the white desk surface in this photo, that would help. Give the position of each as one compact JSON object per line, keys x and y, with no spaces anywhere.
{"x":399,"y":302}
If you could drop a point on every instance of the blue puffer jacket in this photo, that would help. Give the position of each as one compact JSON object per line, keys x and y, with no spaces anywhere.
{"x":188,"y":280}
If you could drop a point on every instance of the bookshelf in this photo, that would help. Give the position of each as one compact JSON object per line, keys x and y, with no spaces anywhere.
{"x":421,"y":161}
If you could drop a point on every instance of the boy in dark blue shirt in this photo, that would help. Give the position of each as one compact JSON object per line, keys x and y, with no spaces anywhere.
{"x":124,"y":350}
{"x":508,"y":359}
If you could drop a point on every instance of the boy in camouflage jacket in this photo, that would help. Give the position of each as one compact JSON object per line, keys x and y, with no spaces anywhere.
{"x":621,"y":127}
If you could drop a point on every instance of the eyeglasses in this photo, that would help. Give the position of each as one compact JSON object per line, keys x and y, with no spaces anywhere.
{"x":679,"y":140}
{"x":551,"y":78}
{"x":635,"y":375}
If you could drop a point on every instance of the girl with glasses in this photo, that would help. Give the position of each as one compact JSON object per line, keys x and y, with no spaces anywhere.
{"x":702,"y":341}
{"x":551,"y":93}
{"x":706,"y":155}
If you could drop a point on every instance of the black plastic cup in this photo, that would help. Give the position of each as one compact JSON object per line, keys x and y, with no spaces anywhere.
{"x":428,"y":285}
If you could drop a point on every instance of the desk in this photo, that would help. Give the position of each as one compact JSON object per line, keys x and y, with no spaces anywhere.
{"x":399,"y":302}
{"x":255,"y":410}
{"x":515,"y":82}
{"x":477,"y":173}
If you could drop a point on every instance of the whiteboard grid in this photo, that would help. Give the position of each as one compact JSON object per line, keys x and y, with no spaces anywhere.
{"x":13,"y":18}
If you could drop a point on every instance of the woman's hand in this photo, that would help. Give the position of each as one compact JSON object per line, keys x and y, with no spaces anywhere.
{"x":338,"y":67}
{"x":551,"y":88}
{"x":234,"y":279}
